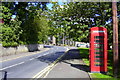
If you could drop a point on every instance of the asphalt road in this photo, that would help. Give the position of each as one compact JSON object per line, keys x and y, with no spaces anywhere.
{"x":29,"y":66}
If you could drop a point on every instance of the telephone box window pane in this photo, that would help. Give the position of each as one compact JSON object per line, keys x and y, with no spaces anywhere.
{"x":98,"y":45}
{"x":98,"y":61}
{"x":98,"y":49}
{"x":100,"y":52}
{"x":97,"y":52}
{"x":99,"y":41}
{"x":98,"y":56}
{"x":98,"y":64}
{"x":99,"y":37}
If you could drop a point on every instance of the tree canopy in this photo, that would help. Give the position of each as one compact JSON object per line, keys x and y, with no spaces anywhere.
{"x":34,"y":21}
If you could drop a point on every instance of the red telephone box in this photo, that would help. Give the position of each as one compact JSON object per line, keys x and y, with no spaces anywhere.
{"x":98,"y":49}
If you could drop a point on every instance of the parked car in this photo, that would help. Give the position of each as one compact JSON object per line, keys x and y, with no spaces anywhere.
{"x":78,"y":45}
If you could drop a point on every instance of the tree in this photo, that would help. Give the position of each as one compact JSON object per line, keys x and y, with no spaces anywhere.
{"x":29,"y":26}
{"x":10,"y":29}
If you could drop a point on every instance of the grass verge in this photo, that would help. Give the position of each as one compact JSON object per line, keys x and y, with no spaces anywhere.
{"x":84,"y":52}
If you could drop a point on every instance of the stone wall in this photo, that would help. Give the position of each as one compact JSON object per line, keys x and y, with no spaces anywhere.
{"x":4,"y":51}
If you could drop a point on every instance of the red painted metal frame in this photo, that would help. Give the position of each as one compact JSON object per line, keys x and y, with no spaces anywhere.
{"x":98,"y":31}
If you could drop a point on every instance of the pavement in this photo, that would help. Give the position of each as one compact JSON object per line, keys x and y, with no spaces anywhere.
{"x":69,"y":67}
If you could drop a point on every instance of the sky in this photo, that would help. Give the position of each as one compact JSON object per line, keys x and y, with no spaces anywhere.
{"x":49,"y":5}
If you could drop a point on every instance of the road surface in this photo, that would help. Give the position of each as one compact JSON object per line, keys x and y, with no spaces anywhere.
{"x":29,"y":66}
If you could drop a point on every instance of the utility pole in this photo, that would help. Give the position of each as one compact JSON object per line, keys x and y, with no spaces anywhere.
{"x":115,"y":39}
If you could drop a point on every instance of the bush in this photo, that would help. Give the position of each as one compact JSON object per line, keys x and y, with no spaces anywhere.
{"x":8,"y":44}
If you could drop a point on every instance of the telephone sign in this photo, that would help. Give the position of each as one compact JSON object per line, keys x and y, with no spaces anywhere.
{"x":98,"y":49}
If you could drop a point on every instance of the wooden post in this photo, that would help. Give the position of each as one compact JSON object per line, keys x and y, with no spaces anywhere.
{"x":115,"y":39}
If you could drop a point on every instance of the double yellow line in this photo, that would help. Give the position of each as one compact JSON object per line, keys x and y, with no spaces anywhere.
{"x":45,"y":71}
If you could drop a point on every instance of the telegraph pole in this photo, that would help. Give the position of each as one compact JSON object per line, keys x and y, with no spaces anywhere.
{"x":115,"y":39}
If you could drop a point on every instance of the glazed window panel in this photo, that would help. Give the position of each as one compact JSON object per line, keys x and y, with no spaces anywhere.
{"x":99,"y":49}
{"x":97,"y":52}
{"x":99,"y":37}
{"x":98,"y":56}
{"x":99,"y":41}
{"x":98,"y":60}
{"x":98,"y":64}
{"x":98,"y":45}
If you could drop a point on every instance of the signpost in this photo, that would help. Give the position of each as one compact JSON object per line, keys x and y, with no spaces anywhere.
{"x":98,"y":49}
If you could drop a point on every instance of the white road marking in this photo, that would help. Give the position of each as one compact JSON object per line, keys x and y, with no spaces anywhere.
{"x":44,"y":54}
{"x":41,"y":55}
{"x":12,"y":65}
{"x":31,"y":59}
